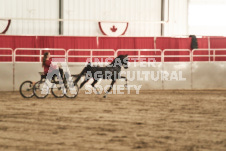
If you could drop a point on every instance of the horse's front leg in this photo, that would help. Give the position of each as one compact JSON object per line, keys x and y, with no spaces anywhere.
{"x":79,"y":76}
{"x":123,"y":77}
{"x":86,"y":80}
{"x":112,"y":83}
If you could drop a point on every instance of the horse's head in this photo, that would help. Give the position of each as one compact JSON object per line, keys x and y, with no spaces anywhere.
{"x":124,"y":60}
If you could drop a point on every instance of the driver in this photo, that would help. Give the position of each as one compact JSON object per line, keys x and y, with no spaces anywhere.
{"x":51,"y":70}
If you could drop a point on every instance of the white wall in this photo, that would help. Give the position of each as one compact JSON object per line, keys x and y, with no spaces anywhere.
{"x":178,"y":18}
{"x":139,"y":13}
{"x":31,"y":9}
{"x":134,"y":11}
{"x":206,"y":17}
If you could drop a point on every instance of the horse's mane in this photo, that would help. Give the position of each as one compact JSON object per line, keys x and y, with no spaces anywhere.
{"x":120,"y":56}
{"x":89,"y":65}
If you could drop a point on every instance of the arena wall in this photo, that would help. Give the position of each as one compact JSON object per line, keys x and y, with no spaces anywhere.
{"x":26,"y":71}
{"x":199,"y":75}
{"x":6,"y":76}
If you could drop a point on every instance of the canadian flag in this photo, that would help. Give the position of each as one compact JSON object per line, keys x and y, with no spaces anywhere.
{"x":113,"y":28}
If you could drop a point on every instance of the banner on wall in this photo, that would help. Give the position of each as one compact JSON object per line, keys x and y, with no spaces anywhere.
{"x":113,"y":29}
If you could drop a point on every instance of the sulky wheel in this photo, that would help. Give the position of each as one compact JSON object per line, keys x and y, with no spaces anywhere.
{"x":58,"y":90}
{"x":26,"y":89}
{"x":41,"y":90}
{"x":71,"y":90}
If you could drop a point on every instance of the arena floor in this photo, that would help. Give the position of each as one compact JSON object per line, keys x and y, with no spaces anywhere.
{"x":153,"y":120}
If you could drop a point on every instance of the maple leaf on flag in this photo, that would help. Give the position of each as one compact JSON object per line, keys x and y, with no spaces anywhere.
{"x":113,"y":29}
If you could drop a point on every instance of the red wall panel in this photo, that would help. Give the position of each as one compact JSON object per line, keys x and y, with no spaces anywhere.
{"x":70,"y":42}
{"x":126,"y":43}
{"x":202,"y":43}
{"x":66,"y":42}
{"x":173,"y":43}
{"x":218,"y":42}
{"x":18,"y":42}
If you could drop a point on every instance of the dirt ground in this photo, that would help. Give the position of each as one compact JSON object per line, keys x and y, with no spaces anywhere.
{"x":153,"y":120}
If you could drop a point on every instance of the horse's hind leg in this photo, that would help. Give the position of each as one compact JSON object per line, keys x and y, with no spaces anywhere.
{"x":93,"y":85}
{"x":112,"y":83}
{"x":123,"y":77}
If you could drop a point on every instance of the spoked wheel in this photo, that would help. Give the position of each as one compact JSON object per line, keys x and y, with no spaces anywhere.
{"x":41,"y":90}
{"x":58,"y":91}
{"x":71,"y":90}
{"x":26,"y":89}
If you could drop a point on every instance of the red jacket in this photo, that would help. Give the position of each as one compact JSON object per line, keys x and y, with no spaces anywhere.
{"x":48,"y":67}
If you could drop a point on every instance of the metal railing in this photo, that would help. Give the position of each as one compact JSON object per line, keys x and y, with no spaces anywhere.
{"x":7,"y":55}
{"x":209,"y":55}
{"x":157,"y":54}
{"x":39,"y":54}
{"x":91,"y":55}
{"x":176,"y":56}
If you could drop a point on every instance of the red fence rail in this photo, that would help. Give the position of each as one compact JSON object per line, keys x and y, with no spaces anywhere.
{"x":107,"y":55}
{"x":90,"y":55}
{"x":36,"y":54}
{"x":6,"y":55}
